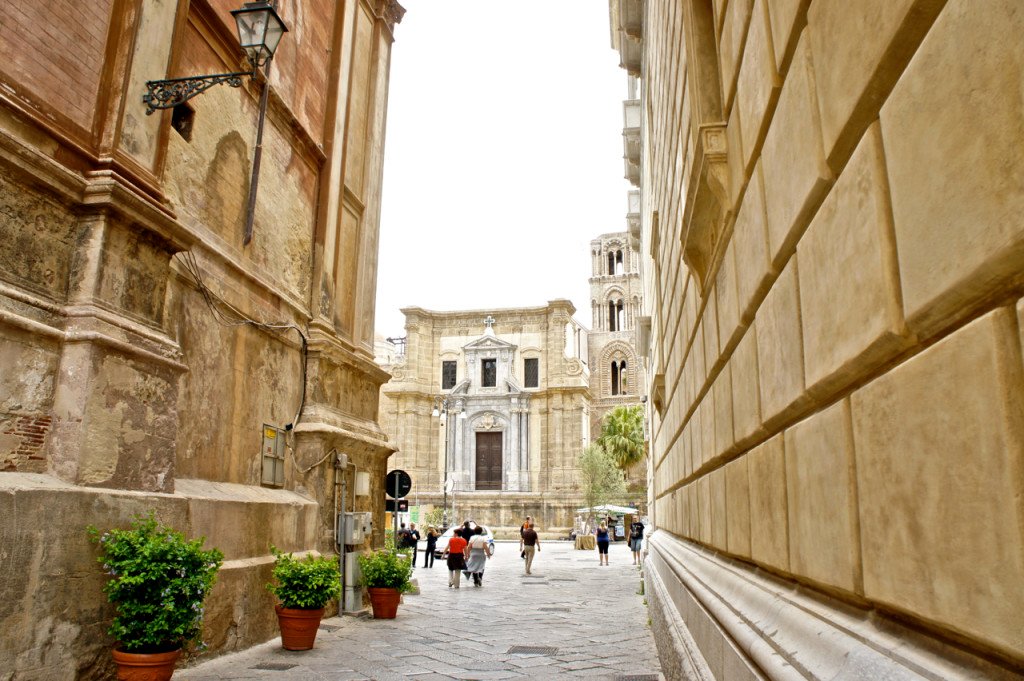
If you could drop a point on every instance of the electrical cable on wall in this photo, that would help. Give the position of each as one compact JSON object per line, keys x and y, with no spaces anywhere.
{"x":227,"y":314}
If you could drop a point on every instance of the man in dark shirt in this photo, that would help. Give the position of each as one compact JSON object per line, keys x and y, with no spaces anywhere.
{"x":636,"y":538}
{"x":528,"y":544}
{"x":412,"y":539}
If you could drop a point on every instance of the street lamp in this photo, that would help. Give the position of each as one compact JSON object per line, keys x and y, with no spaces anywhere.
{"x":444,"y":405}
{"x":259,"y":31}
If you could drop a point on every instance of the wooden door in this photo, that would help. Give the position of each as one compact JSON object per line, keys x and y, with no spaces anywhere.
{"x":488,"y":461}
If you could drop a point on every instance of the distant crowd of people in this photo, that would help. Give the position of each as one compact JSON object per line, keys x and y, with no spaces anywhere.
{"x":470,"y":548}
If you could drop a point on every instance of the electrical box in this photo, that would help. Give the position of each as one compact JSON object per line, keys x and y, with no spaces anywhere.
{"x":273,"y":456}
{"x":353,"y":596}
{"x":357,"y":527}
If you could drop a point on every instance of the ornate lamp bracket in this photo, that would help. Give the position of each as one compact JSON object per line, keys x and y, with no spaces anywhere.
{"x":167,"y":94}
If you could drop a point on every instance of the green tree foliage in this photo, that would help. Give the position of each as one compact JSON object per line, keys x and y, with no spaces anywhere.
{"x":601,"y":479}
{"x":622,"y":435}
{"x":158,"y":582}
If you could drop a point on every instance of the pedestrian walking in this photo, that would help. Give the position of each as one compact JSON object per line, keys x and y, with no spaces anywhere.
{"x":602,"y":543}
{"x":456,"y":559}
{"x":526,"y":523}
{"x":529,"y":543}
{"x":412,"y":541}
{"x":636,"y":538}
{"x":478,"y":551}
{"x":428,"y":555}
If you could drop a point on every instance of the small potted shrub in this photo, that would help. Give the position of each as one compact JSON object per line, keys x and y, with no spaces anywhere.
{"x":386,"y":576}
{"x":158,"y":583}
{"x":303,"y":588}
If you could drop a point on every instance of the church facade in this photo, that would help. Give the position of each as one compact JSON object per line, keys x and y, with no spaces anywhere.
{"x":489,"y":411}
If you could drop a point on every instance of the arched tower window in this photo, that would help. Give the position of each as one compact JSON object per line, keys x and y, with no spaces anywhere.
{"x":618,"y":262}
{"x":615,"y":377}
{"x":611,"y":263}
{"x":623,"y":378}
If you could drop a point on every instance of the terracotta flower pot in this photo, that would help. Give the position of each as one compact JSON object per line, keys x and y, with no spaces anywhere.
{"x":384,"y":602}
{"x":298,"y":627}
{"x":145,"y":666}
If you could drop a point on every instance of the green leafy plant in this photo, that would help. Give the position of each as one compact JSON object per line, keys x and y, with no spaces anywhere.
{"x":386,"y":570}
{"x":306,"y":584}
{"x":158,"y":583}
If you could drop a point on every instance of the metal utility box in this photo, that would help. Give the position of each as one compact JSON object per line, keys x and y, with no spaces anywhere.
{"x":357,"y":527}
{"x":353,"y":596}
{"x":273,"y":456}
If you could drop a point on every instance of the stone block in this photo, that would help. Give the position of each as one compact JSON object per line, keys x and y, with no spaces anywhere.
{"x":859,"y":51}
{"x":737,"y":174}
{"x":779,"y":345}
{"x":730,"y":44}
{"x":712,"y":345}
{"x":704,"y":510}
{"x":787,"y":17}
{"x":769,"y":525}
{"x":757,"y":87}
{"x":737,"y":495}
{"x":849,"y":288}
{"x":795,"y":174}
{"x":719,"y":508}
{"x":693,"y":505}
{"x":822,"y":502}
{"x":959,"y":232}
{"x":725,"y":290}
{"x":746,"y":399}
{"x":940,"y":465}
{"x":708,"y":419}
{"x":750,"y":240}
{"x":722,"y":388}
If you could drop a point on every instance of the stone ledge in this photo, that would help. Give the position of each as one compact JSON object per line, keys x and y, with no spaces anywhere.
{"x":787,"y":632}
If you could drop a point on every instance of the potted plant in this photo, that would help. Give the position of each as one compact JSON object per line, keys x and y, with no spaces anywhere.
{"x":303,"y":588}
{"x":386,"y":576}
{"x":158,"y":583}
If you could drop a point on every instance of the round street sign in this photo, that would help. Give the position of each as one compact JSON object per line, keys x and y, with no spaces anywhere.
{"x":397,"y":484}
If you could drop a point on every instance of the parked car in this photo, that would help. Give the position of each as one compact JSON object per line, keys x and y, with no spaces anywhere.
{"x":442,"y":541}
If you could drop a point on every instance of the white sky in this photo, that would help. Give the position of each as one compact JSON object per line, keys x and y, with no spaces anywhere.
{"x":503,"y":156}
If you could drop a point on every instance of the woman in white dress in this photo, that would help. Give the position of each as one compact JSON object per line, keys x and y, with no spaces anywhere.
{"x":477,"y":552}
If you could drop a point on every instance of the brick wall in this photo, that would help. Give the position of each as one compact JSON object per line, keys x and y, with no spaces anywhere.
{"x":24,"y":437}
{"x":54,"y":52}
{"x":842,"y":389}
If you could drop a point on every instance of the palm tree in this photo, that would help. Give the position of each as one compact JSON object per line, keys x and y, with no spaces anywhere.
{"x":622,"y":435}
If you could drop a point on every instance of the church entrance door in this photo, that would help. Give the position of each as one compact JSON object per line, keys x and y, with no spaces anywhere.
{"x":488,"y":461}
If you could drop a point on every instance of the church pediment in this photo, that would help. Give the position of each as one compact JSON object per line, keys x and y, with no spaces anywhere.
{"x":489,"y":343}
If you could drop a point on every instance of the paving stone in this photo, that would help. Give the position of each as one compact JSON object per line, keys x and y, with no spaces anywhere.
{"x":466,"y":634}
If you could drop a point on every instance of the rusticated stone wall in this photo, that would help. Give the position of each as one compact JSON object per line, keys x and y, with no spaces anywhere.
{"x":833,"y":227}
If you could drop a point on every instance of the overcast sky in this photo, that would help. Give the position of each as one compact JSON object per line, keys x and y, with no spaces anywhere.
{"x":503,"y":156}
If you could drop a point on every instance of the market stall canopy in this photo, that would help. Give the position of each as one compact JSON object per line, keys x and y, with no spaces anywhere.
{"x":608,"y":509}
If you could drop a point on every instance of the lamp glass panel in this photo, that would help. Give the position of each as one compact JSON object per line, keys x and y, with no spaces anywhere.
{"x":275,"y":29}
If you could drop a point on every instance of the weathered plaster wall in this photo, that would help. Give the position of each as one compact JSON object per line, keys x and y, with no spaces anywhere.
{"x":121,"y":390}
{"x":837,"y":398}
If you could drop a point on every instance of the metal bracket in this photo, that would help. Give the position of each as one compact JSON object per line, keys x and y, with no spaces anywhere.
{"x":166,"y":94}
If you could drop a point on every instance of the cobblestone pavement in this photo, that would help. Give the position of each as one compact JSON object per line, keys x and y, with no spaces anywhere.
{"x":591,"y":619}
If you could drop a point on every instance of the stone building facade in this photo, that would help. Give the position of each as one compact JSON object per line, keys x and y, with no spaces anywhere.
{"x":616,"y":296}
{"x":833,"y":245}
{"x":516,"y":382}
{"x":129,"y":381}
